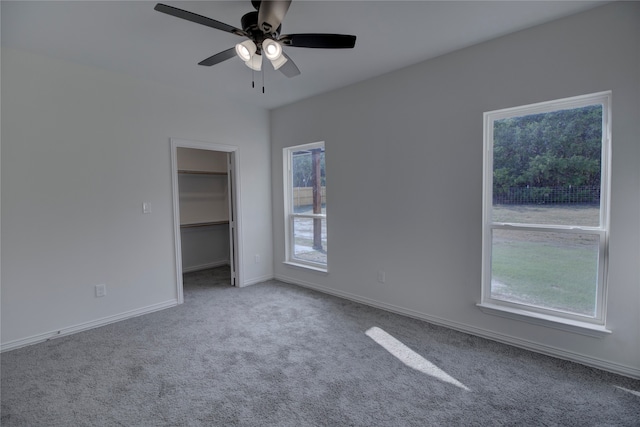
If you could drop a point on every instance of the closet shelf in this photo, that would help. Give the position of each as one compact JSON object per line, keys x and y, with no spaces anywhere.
{"x":192,"y":172}
{"x":203,"y":195}
{"x":203,"y":224}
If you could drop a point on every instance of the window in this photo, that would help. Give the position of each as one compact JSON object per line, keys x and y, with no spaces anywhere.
{"x":306,"y":206}
{"x":546,"y":170}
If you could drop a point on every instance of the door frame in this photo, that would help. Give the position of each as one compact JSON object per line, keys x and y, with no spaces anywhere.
{"x":235,"y":178}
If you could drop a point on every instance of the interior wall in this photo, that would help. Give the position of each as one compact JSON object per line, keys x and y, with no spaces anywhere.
{"x":82,"y":148}
{"x":194,"y":159}
{"x":204,"y":247}
{"x":404,"y":177}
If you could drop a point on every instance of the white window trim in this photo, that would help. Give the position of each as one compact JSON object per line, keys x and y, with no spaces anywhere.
{"x":593,"y":326}
{"x":555,"y":322}
{"x":289,"y":215}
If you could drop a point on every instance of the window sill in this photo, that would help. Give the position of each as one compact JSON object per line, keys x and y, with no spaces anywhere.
{"x":568,"y":325}
{"x":307,"y":267}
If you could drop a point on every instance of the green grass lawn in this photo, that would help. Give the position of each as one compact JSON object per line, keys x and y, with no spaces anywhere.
{"x":550,"y":270}
{"x":560,"y":278}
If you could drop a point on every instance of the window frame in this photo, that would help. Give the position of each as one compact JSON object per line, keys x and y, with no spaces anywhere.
{"x":290,"y":215}
{"x":548,"y":317}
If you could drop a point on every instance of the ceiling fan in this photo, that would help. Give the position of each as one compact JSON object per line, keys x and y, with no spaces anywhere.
{"x":262,"y":30}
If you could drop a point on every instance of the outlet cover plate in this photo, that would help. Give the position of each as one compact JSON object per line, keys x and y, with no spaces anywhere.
{"x":101,"y":290}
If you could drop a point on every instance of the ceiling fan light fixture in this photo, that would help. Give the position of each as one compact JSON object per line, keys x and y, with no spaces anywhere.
{"x":277,"y":63}
{"x":255,"y":62}
{"x":246,"y":50}
{"x":272,"y":49}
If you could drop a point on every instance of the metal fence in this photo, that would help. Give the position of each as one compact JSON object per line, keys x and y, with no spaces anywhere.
{"x":587,"y":194}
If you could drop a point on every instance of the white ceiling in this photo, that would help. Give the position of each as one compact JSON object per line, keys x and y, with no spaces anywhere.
{"x":130,"y":37}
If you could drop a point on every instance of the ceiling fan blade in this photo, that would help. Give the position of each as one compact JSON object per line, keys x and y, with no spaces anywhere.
{"x":198,"y":19}
{"x":218,"y":57}
{"x":319,"y":41}
{"x":271,"y":13}
{"x":289,"y":69}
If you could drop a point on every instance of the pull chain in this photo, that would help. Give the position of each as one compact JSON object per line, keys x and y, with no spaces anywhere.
{"x":253,"y":79}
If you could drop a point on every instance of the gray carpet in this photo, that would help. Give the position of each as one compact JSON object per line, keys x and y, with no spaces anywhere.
{"x":274,"y":354}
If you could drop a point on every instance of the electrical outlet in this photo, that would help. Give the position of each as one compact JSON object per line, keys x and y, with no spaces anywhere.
{"x":146,"y":207}
{"x":101,"y":290}
{"x":381,"y":276}
{"x":257,"y":259}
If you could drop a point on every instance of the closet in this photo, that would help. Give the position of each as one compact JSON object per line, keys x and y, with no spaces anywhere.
{"x":203,"y":187}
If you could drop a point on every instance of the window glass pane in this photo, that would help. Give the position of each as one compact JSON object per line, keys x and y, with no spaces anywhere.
{"x":306,"y":186}
{"x":552,"y":270}
{"x":308,"y":179}
{"x":310,"y":239}
{"x":543,"y":162}
{"x":558,"y":214}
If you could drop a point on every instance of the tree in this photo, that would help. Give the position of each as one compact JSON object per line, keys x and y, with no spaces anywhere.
{"x":303,"y":170}
{"x":548,"y":150}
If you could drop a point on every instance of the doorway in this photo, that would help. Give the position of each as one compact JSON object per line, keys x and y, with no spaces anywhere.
{"x":206,"y":206}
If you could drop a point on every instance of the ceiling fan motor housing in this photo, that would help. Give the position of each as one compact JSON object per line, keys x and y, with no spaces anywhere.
{"x":250,"y":26}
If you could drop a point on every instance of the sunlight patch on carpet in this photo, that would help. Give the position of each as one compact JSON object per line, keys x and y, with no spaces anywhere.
{"x":410,"y":357}
{"x":636,"y":393}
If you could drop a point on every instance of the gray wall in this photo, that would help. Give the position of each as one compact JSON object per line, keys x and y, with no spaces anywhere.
{"x":82,"y":148}
{"x":401,"y":145}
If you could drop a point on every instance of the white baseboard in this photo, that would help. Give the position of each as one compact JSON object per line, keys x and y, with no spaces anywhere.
{"x":214,"y":264}
{"x":34,"y":339}
{"x":605,"y":365}
{"x":256,"y":280}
